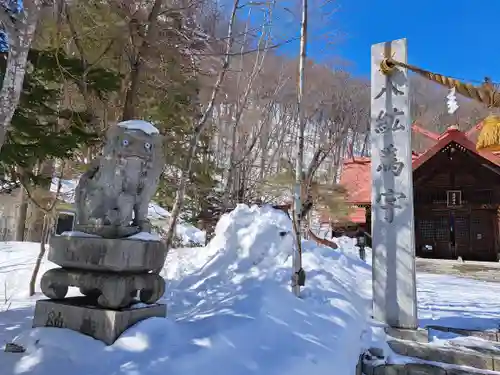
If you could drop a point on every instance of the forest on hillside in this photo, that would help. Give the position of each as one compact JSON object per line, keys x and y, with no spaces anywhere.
{"x":211,"y":76}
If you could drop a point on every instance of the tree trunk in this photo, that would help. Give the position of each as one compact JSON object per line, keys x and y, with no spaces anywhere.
{"x":41,"y":254}
{"x":20,"y":33}
{"x":365,"y":144}
{"x":22,"y":215}
{"x":40,"y":200}
{"x":297,"y":259}
{"x":229,"y":187}
{"x":129,"y":109}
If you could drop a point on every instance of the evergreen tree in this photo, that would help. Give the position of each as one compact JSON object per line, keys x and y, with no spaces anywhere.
{"x":42,"y":128}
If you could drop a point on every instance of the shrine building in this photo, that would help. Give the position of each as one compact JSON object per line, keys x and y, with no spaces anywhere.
{"x":456,"y":197}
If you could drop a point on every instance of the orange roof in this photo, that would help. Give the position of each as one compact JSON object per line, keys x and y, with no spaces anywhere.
{"x":356,"y":177}
{"x":356,"y":173}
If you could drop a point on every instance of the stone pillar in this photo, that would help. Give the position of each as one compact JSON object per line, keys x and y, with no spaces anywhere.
{"x":394,"y":285}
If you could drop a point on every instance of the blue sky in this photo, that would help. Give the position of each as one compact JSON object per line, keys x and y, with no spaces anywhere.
{"x":458,"y":38}
{"x":14,"y":6}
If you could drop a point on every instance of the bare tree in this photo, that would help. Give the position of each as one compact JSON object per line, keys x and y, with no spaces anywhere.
{"x":244,"y":139}
{"x":45,"y":202}
{"x":198,"y":129}
{"x":297,"y":259}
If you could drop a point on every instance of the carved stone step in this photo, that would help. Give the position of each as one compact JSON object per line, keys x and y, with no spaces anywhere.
{"x":110,"y":290}
{"x":419,"y":369}
{"x":451,"y":355}
{"x":103,"y":254}
{"x":491,"y":335}
{"x":494,"y":350}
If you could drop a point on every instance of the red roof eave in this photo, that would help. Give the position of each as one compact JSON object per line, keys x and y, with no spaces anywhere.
{"x":453,"y":135}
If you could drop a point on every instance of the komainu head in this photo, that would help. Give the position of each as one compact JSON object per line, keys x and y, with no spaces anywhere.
{"x":134,"y":139}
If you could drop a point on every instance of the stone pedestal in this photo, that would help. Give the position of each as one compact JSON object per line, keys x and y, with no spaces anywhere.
{"x":106,"y":254}
{"x":81,"y":315}
{"x":111,"y":274}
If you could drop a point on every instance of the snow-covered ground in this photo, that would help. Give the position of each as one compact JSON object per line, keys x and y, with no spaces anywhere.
{"x":458,"y":302}
{"x":230,"y":310}
{"x":187,"y":233}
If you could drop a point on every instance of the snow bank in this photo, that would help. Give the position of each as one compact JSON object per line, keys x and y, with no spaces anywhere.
{"x":230,"y":311}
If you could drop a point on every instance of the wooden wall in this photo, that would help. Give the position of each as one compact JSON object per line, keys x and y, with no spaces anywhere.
{"x":471,"y":227}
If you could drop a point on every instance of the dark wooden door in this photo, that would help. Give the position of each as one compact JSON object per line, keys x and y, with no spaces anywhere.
{"x":461,"y":233}
{"x":482,"y":236}
{"x":442,"y":235}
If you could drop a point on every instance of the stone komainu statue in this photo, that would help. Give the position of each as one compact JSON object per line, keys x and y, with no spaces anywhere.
{"x":112,"y":197}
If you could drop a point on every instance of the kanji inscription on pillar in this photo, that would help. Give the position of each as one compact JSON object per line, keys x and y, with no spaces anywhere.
{"x":388,"y":121}
{"x":394,"y":291}
{"x":389,"y":201}
{"x":389,"y":161}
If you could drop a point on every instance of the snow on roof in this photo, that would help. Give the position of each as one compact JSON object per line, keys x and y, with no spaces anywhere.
{"x":145,"y":126}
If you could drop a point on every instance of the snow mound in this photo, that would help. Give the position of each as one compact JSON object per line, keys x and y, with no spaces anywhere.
{"x":142,"y":125}
{"x":230,"y":311}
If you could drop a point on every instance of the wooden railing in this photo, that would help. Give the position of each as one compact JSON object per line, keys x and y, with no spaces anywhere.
{"x":321,"y":241}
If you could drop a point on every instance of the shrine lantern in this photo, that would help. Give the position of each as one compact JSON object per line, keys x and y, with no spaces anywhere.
{"x":489,"y":137}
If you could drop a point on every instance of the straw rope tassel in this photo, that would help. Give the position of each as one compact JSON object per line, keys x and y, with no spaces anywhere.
{"x":489,"y":137}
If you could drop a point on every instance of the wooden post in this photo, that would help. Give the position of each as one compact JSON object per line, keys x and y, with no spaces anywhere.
{"x":394,"y":285}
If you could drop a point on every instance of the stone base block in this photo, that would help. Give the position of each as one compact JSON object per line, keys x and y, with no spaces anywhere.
{"x":79,"y":315}
{"x":105,"y":254}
